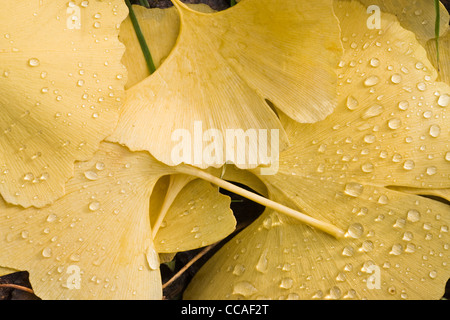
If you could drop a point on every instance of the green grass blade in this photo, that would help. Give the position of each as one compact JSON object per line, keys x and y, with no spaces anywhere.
{"x":142,"y":42}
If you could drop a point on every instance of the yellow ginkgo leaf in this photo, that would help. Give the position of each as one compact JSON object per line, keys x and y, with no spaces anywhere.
{"x":222,"y":69}
{"x":401,"y":253}
{"x":388,"y":130}
{"x":198,"y":217}
{"x":417,"y":16}
{"x":160,"y":28}
{"x":61,"y":85}
{"x":95,"y":242}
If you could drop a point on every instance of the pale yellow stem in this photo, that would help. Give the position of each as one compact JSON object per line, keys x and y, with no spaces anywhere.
{"x":318,"y":224}
{"x":176,"y":183}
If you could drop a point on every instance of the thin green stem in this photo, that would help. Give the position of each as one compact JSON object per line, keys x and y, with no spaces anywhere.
{"x":147,"y":55}
{"x":437,"y":27}
{"x":144,"y":3}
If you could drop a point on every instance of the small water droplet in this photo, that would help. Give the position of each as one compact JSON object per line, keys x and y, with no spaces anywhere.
{"x":94,"y":205}
{"x":100,"y":166}
{"x":371,"y":81}
{"x":374,"y":62}
{"x":372,"y":111}
{"x":286,"y":283}
{"x":403,"y":105}
{"x":408,"y":165}
{"x":369,"y":138}
{"x":91,"y":175}
{"x":394,"y":123}
{"x":47,"y":252}
{"x":34,"y":62}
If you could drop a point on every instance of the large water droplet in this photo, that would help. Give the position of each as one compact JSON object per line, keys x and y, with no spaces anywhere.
{"x":262,"y":264}
{"x":396,"y":250}
{"x":396,"y":78}
{"x":353,"y":189}
{"x":408,"y":165}
{"x":91,"y":175}
{"x":374,"y":62}
{"x":94,"y":205}
{"x":371,"y":81}
{"x":413,"y":215}
{"x":435,"y":130}
{"x":355,"y":230}
{"x":394,"y":123}
{"x":403,"y":105}
{"x":244,"y":288}
{"x":352,"y":103}
{"x":47,"y":252}
{"x":373,"y":111}
{"x":34,"y":62}
{"x":444,"y":100}
{"x":286,"y":283}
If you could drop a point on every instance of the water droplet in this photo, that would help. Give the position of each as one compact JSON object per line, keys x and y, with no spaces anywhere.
{"x":396,"y":250}
{"x":403,"y":105}
{"x":408,"y":236}
{"x":25,"y":234}
{"x":286,"y":283}
{"x":262,"y":264}
{"x":352,"y":103}
{"x":28,"y":177}
{"x":80,"y":83}
{"x":335,"y":293}
{"x":91,"y":175}
{"x":244,"y":288}
{"x":353,"y":189}
{"x":373,"y":111}
{"x":394,"y":123}
{"x":396,"y":78}
{"x":397,"y":157}
{"x":47,"y":252}
{"x":408,"y":165}
{"x":238,"y":270}
{"x":33,"y":62}
{"x":74,"y":257}
{"x":413,"y":215}
{"x":421,"y":86}
{"x":94,"y":205}
{"x":100,"y":166}
{"x":367,"y":167}
{"x":435,"y":130}
{"x":367,"y":246}
{"x":371,"y":81}
{"x":97,"y":24}
{"x":51,"y":217}
{"x":369,"y":138}
{"x":433,"y":274}
{"x":348,"y":251}
{"x":355,"y":231}
{"x":152,"y":258}
{"x":374,"y":62}
{"x":447,"y":156}
{"x":444,"y":100}
{"x":431,"y":170}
